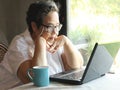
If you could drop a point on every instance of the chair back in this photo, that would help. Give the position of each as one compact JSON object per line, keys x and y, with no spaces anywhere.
{"x":3,"y":50}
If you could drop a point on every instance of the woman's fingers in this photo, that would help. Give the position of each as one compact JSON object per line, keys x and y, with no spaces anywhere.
{"x":58,"y":42}
{"x":54,"y":47}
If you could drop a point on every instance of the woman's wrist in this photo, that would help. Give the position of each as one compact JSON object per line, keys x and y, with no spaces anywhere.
{"x":41,"y":42}
{"x":66,"y":40}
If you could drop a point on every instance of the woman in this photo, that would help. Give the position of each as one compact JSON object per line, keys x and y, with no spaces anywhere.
{"x":40,"y":45}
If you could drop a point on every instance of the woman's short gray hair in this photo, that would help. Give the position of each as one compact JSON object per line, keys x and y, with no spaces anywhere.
{"x":38,"y":10}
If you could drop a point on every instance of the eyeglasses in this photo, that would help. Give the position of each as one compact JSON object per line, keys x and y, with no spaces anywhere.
{"x":51,"y":28}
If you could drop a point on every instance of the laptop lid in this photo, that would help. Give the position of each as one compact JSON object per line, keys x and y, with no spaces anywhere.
{"x":99,"y":63}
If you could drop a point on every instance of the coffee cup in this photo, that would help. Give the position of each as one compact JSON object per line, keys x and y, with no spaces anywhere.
{"x":39,"y":75}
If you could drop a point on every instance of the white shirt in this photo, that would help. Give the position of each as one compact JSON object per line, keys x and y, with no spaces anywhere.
{"x":21,"y":49}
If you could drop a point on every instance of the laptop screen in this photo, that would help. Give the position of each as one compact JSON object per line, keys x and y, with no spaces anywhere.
{"x":99,"y":63}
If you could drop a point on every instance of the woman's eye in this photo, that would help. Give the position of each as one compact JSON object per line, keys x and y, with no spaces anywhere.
{"x":50,"y":27}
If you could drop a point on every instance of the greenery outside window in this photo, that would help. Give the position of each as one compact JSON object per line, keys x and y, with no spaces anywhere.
{"x":94,"y":20}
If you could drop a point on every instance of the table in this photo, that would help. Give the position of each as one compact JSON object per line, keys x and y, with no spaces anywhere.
{"x":107,"y":82}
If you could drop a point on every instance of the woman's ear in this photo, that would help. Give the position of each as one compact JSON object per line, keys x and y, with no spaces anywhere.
{"x":34,"y":26}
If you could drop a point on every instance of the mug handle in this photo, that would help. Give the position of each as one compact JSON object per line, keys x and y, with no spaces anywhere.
{"x":28,"y":73}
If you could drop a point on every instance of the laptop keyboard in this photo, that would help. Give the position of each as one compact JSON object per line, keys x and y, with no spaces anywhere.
{"x":75,"y":75}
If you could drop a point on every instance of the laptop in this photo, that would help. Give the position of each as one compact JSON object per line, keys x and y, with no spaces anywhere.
{"x":99,"y":64}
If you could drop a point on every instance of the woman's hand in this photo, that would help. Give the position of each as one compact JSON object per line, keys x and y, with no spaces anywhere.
{"x":51,"y":46}
{"x":58,"y":42}
{"x":42,"y":37}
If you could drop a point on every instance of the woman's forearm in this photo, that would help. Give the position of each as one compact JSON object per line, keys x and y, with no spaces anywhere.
{"x":73,"y":56}
{"x":39,"y":57}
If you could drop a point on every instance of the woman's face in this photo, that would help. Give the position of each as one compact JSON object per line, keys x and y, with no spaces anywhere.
{"x":49,"y":26}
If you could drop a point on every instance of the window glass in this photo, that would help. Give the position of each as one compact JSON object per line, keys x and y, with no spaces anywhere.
{"x":93,"y":21}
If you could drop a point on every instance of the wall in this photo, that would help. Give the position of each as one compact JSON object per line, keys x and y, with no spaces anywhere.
{"x":13,"y":15}
{"x":12,"y":18}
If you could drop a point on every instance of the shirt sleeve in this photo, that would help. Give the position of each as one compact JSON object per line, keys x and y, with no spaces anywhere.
{"x":17,"y":54}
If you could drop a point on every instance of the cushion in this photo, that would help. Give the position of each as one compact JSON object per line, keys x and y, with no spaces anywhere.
{"x":3,"y":50}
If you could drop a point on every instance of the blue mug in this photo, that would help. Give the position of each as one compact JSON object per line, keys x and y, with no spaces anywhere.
{"x":39,"y":75}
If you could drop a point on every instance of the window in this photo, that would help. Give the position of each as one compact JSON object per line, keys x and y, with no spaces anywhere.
{"x":91,"y":21}
{"x":94,"y":20}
